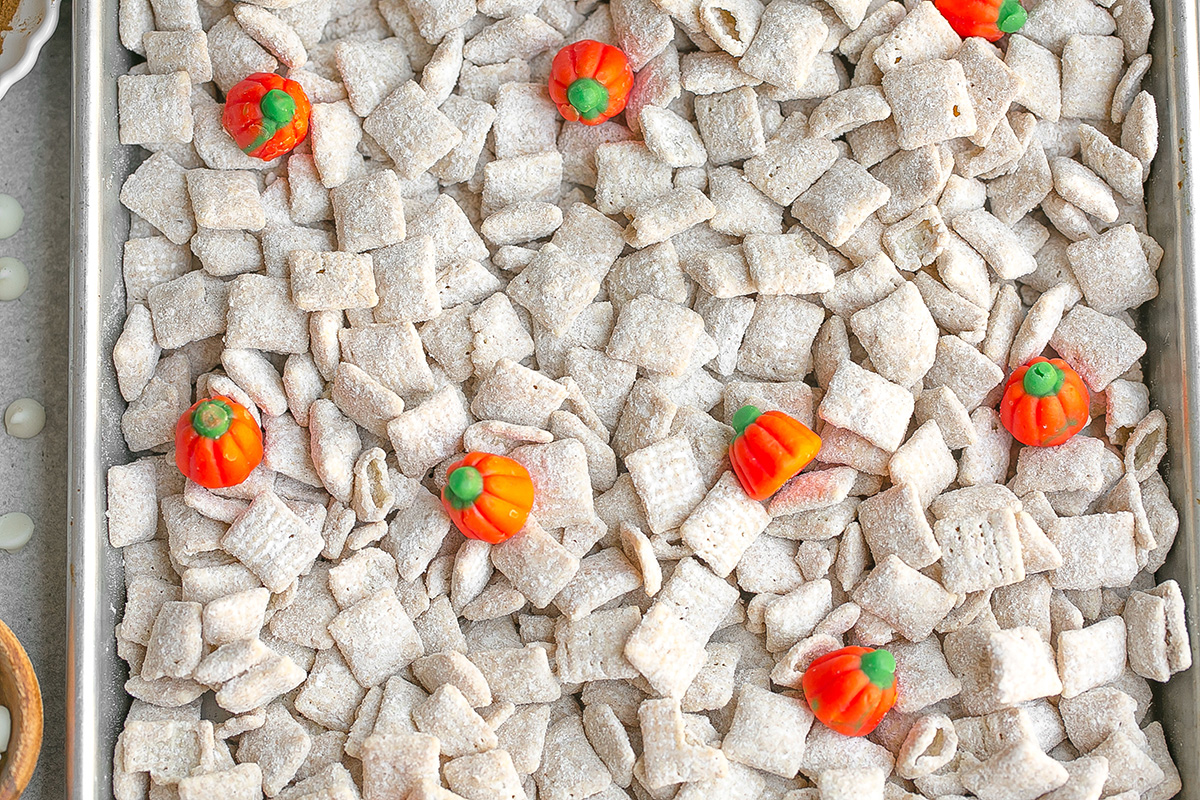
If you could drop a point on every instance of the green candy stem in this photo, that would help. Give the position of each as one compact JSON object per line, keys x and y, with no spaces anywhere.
{"x":1011,"y":17}
{"x":278,"y":106}
{"x":212,"y":419}
{"x":743,"y":417}
{"x":463,"y":487}
{"x":588,"y":96}
{"x":1043,"y":379}
{"x":880,"y":668}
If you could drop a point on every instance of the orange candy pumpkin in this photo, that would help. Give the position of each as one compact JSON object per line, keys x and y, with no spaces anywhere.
{"x":768,"y":449}
{"x":851,"y":689}
{"x":488,"y":497}
{"x":217,"y":443}
{"x":1045,"y":403}
{"x":267,"y":115}
{"x":990,"y":19}
{"x":590,"y":81}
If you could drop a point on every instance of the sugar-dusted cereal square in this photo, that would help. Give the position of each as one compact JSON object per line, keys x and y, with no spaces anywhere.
{"x":226,"y":199}
{"x":272,"y":541}
{"x":157,"y":192}
{"x":667,"y":647}
{"x":538,"y":566}
{"x":730,"y":125}
{"x":335,"y":132}
{"x":894,"y":522}
{"x":840,"y":201}
{"x":234,"y":52}
{"x":332,"y":281}
{"x":555,"y":287}
{"x":723,"y":525}
{"x":907,"y":600}
{"x":784,"y":48}
{"x":663,"y":216}
{"x":980,"y":552}
{"x":169,"y":52}
{"x":517,"y":394}
{"x":656,"y":335}
{"x":376,"y":637}
{"x":1098,"y":346}
{"x":188,"y":309}
{"x":263,"y":317}
{"x":369,"y":212}
{"x":561,"y":482}
{"x":1112,"y":270}
{"x":930,"y":102}
{"x":371,"y":70}
{"x":1098,"y":550}
{"x":867,"y":404}
{"x":154,"y":109}
{"x":628,"y":173}
{"x":1091,"y":69}
{"x":430,"y":432}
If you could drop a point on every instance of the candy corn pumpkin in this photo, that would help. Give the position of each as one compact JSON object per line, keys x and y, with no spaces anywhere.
{"x":990,"y":19}
{"x":768,"y":449}
{"x":851,"y":689}
{"x":267,"y":115}
{"x":217,"y":443}
{"x":590,"y":81}
{"x":488,"y":497}
{"x":1045,"y":403}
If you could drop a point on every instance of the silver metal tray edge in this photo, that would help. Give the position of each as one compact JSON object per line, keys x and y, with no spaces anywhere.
{"x":96,"y":701}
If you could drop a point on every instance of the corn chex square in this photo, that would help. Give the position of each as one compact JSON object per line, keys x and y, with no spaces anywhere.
{"x":538,"y":566}
{"x":333,"y":281}
{"x":668,"y":482}
{"x":667,"y":647}
{"x":376,"y":637}
{"x":724,"y":524}
{"x":980,"y":552}
{"x":592,"y":648}
{"x":274,"y":543}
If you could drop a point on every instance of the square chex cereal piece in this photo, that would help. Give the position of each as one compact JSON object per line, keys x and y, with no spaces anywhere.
{"x":930,"y":102}
{"x":154,"y":109}
{"x":369,"y":212}
{"x":724,"y":524}
{"x":668,"y":482}
{"x":555,"y":287}
{"x":867,"y":404}
{"x":840,"y":201}
{"x":1098,"y":550}
{"x":981,"y":552}
{"x":157,"y":192}
{"x":226,"y":199}
{"x":667,"y":647}
{"x":907,"y":600}
{"x":561,"y":483}
{"x":272,"y":541}
{"x":377,"y":637}
{"x":656,"y":335}
{"x":332,"y":281}
{"x":411,"y":129}
{"x":538,"y":566}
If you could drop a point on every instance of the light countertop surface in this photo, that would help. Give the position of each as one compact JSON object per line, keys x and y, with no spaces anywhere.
{"x":35,"y":167}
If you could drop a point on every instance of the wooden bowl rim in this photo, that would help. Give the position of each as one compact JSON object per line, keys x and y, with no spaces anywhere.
{"x":25,"y":742}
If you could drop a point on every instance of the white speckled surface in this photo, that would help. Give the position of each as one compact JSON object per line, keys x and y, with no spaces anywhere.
{"x":35,"y":147}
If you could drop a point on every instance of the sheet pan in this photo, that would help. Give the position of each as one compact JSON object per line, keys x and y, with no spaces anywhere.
{"x":96,"y":700}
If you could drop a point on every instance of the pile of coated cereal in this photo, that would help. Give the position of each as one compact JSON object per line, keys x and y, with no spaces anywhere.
{"x":837,"y":209}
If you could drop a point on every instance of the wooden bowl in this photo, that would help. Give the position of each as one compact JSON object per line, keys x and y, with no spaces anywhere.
{"x":19,"y":691}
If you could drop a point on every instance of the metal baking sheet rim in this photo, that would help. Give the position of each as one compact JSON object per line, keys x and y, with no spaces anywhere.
{"x":96,"y":701}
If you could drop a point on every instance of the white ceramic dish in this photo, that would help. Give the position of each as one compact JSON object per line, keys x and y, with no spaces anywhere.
{"x":19,"y":47}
